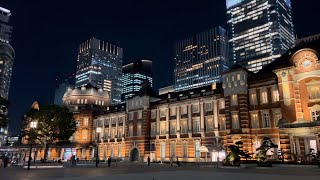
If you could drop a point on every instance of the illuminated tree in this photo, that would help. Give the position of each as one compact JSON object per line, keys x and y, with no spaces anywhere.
{"x":54,"y":124}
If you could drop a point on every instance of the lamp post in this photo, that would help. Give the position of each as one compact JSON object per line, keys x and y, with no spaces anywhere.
{"x":33,"y":125}
{"x":98,"y":130}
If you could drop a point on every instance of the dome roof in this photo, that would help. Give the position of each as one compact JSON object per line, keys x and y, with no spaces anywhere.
{"x":87,"y":90}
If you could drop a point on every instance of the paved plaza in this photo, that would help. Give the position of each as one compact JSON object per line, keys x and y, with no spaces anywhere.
{"x":132,"y":171}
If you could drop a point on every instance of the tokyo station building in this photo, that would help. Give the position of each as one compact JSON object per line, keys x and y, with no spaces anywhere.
{"x":281,"y":101}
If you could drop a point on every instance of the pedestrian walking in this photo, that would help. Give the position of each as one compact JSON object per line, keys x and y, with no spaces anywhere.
{"x":109,"y":161}
{"x":178,"y":163}
{"x":5,"y":162}
{"x":148,"y":160}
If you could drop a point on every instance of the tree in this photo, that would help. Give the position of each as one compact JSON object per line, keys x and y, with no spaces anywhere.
{"x":4,"y":103}
{"x":236,"y":152}
{"x":266,"y":145}
{"x":54,"y":124}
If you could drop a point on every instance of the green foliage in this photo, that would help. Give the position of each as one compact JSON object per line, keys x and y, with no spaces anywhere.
{"x":54,"y":124}
{"x":236,"y":152}
{"x":4,"y":103}
{"x":266,"y":145}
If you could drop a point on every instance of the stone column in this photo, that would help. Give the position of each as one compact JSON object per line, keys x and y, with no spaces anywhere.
{"x":202,"y":120}
{"x":189,"y":121}
{"x":110,"y":125}
{"x":167,"y":122}
{"x":292,"y":147}
{"x":298,"y":147}
{"x":178,"y":121}
{"x":117,"y":125}
{"x":306,"y":145}
{"x":215,"y":118}
{"x":124,"y":127}
{"x":158,"y":124}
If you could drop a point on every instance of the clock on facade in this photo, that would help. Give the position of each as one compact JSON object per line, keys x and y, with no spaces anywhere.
{"x":306,"y":63}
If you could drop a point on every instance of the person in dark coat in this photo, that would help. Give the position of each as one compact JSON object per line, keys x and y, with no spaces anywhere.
{"x":109,"y":161}
{"x":148,"y":160}
{"x":5,"y":162}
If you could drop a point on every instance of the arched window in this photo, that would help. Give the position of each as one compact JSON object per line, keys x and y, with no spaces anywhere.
{"x":275,"y":94}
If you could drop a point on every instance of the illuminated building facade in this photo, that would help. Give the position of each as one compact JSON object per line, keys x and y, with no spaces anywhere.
{"x":6,"y":62}
{"x":260,"y":31}
{"x":200,"y":59}
{"x":100,"y":64}
{"x":134,"y":75}
{"x":282,"y":102}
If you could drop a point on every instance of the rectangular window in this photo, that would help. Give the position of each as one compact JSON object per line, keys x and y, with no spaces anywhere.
{"x":197,"y":149}
{"x":139,"y":114}
{"x":173,"y":111}
{"x":235,"y":121}
{"x":84,"y":134}
{"x":106,"y":133}
{"x":184,"y":126}
{"x":173,"y":149}
{"x":234,"y":100}
{"x":85,"y":122}
{"x":253,"y":98}
{"x":275,"y":95}
{"x":121,"y":118}
{"x":130,"y":130}
{"x":208,"y":106}
{"x":173,"y":127}
{"x":86,"y":101}
{"x":120,"y":133}
{"x":314,"y":92}
{"x":119,"y":150}
{"x":113,"y":133}
{"x":264,"y":97}
{"x":238,"y":76}
{"x":184,"y":150}
{"x":195,"y":108}
{"x":106,"y":122}
{"x":209,"y":125}
{"x":196,"y":125}
{"x":139,"y":129}
{"x":78,"y":101}
{"x":162,"y":150}
{"x":276,"y":116}
{"x":265,"y":119}
{"x":153,"y":129}
{"x":162,"y":128}
{"x":163,"y":113}
{"x":111,"y":151}
{"x":254,"y":120}
{"x":184,"y":110}
{"x":221,"y":104}
{"x":153,"y":114}
{"x":131,"y":116}
{"x":114,"y":120}
{"x":223,"y":123}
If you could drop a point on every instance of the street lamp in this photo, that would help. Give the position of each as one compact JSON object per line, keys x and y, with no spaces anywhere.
{"x":98,"y":130}
{"x":33,"y":125}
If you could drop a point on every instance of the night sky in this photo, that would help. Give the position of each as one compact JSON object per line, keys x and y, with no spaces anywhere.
{"x":46,"y":35}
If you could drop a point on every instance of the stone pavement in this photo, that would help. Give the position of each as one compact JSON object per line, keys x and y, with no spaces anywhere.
{"x":123,"y":171}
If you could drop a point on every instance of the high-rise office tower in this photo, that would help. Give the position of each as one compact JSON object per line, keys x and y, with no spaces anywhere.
{"x":6,"y":62}
{"x":200,"y":59}
{"x":134,"y":75}
{"x":260,"y":31}
{"x":100,"y":64}
{"x":6,"y":52}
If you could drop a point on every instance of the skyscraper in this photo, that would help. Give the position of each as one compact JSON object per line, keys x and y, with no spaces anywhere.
{"x":134,"y":75}
{"x":6,"y":62}
{"x":6,"y":52}
{"x":200,"y":59}
{"x":100,"y":64}
{"x":260,"y":31}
